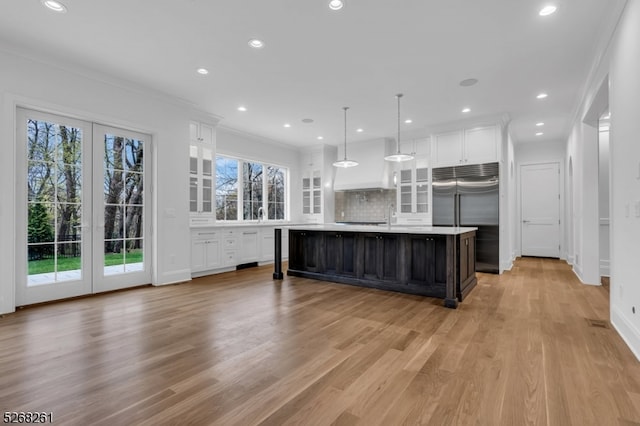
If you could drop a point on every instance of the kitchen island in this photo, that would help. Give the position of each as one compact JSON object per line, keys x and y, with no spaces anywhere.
{"x":428,"y":261}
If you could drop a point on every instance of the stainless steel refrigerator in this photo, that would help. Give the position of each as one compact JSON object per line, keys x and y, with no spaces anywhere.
{"x":469,"y":196}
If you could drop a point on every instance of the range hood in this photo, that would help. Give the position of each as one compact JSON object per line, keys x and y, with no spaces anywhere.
{"x":372,"y":173}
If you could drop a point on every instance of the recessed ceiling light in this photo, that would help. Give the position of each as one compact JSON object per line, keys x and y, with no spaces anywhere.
{"x":547,"y":10}
{"x":539,"y":134}
{"x":336,"y":4}
{"x":359,"y":130}
{"x":465,"y":110}
{"x":202,"y":71}
{"x":540,"y":124}
{"x":542,"y":96}
{"x":468,"y":82}
{"x":320,"y":138}
{"x":56,"y":6}
{"x":256,"y":43}
{"x":242,"y":108}
{"x":408,"y":121}
{"x":287,"y":125}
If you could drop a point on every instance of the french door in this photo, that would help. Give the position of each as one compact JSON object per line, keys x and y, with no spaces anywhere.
{"x":83,"y":211}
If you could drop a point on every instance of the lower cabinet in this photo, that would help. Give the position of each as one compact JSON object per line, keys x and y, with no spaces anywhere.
{"x":427,"y":263}
{"x":339,"y":253}
{"x":380,"y":258}
{"x":205,"y":251}
{"x":222,"y":248}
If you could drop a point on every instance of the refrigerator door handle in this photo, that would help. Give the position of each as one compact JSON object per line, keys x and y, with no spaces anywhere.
{"x":456,"y":209}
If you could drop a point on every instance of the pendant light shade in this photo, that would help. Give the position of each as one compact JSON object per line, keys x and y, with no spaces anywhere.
{"x":345,"y":163}
{"x":398,"y":156}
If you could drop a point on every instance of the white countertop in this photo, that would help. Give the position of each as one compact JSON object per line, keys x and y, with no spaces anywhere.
{"x":395,"y":229}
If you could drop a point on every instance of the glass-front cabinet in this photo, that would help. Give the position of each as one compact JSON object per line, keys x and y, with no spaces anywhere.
{"x":201,"y":174}
{"x":412,"y":180}
{"x":312,"y":192}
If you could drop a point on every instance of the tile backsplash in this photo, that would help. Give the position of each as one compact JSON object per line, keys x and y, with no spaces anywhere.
{"x":363,"y":206}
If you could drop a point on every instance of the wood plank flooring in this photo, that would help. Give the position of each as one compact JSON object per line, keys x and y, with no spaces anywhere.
{"x":530,"y":347}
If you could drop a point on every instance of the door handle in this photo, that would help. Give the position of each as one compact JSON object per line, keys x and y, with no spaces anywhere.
{"x":526,"y":221}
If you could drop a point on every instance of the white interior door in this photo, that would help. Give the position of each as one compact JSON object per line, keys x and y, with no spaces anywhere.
{"x":83,"y":218}
{"x":540,"y":209}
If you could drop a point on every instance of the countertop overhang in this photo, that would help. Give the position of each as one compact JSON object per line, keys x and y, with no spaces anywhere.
{"x":394,"y":229}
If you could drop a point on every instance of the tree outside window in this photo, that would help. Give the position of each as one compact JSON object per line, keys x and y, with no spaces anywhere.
{"x":251,"y":190}
{"x":226,"y":188}
{"x":276,"y":193}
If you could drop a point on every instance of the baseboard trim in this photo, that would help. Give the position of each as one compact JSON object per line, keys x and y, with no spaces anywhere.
{"x":629,"y":333}
{"x":174,"y":277}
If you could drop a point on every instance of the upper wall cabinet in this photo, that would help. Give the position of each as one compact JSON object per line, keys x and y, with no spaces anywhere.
{"x":468,"y":146}
{"x":201,"y":174}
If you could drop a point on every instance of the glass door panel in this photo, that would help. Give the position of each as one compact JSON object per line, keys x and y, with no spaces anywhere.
{"x":55,"y":151}
{"x":121,"y":249}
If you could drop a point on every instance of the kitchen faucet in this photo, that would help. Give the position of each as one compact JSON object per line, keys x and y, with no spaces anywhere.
{"x":389,"y":212}
{"x":260,"y":214}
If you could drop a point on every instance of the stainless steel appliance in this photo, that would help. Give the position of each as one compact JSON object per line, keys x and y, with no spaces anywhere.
{"x":469,"y":196}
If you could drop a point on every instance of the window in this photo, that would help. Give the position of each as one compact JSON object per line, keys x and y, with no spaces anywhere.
{"x":256,"y":180}
{"x":275,"y":193}
{"x":251,"y":190}
{"x":226,"y":188}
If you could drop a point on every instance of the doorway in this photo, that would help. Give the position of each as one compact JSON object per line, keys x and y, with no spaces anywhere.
{"x":604,"y":195}
{"x":540,"y":209}
{"x":83,"y":213}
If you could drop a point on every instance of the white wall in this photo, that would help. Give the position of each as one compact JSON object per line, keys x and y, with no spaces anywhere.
{"x":536,"y":153}
{"x":616,"y":75}
{"x":624,"y":136}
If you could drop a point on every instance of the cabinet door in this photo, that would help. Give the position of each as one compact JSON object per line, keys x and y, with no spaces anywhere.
{"x":296,"y":250}
{"x":249,"y":248}
{"x":426,"y":263}
{"x":388,"y":257}
{"x":481,"y":145}
{"x":380,"y":257}
{"x":212,"y":254}
{"x":206,"y":133}
{"x":331,"y":252}
{"x":267,"y":254}
{"x":447,"y":148}
{"x":347,"y":254}
{"x":313,"y":245}
{"x":198,"y":255}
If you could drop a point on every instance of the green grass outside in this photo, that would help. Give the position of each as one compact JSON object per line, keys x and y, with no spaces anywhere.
{"x":73,"y":263}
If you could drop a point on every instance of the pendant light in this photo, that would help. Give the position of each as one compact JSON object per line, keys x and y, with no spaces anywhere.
{"x":345,"y":163}
{"x":398,"y":156}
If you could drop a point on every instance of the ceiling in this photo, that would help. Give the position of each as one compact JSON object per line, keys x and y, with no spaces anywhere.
{"x":315,"y":60}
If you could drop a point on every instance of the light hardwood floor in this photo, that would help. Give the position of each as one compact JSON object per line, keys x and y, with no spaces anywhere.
{"x":532,"y":346}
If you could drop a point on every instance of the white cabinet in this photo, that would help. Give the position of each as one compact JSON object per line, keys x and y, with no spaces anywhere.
{"x":413,"y":183}
{"x":201,"y":174}
{"x":250,"y":247}
{"x":447,"y":148}
{"x":481,"y":145}
{"x":468,"y":146}
{"x":312,"y":192}
{"x":205,"y":250}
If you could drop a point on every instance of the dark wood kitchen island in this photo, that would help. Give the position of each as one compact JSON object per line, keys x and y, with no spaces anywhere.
{"x":428,"y":261}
